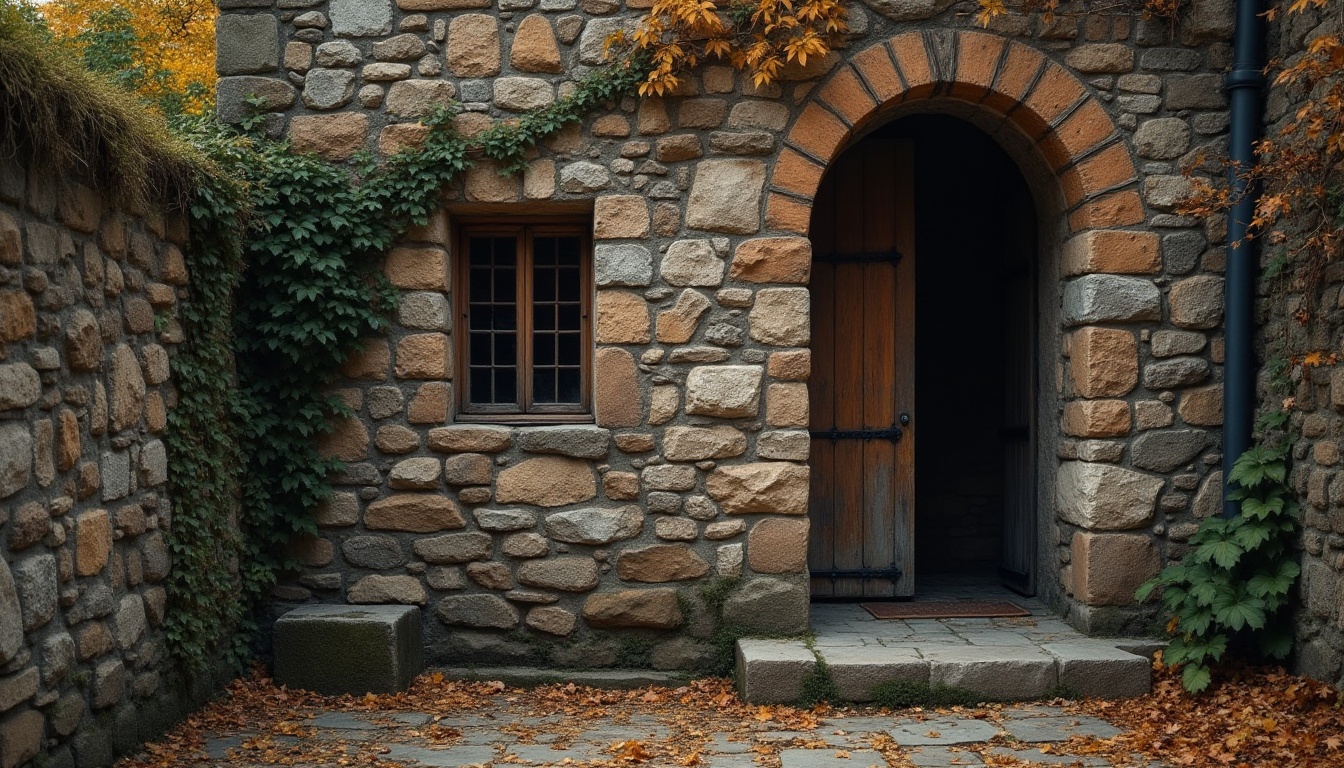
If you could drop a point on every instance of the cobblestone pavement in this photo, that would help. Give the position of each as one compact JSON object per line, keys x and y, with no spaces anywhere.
{"x":1014,"y":735}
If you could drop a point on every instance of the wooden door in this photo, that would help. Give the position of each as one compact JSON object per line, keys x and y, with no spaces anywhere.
{"x":862,"y":386}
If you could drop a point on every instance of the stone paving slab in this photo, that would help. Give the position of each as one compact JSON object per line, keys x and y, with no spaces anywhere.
{"x":1047,"y":758}
{"x":450,"y":757}
{"x":940,"y":757}
{"x":831,"y":758}
{"x":943,"y":732}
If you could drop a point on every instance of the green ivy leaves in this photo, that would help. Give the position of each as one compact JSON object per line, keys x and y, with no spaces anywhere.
{"x":1233,"y":588}
{"x":285,"y":283}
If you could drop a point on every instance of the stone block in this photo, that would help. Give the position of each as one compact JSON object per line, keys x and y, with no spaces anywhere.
{"x":1109,"y":567}
{"x":1095,"y":669}
{"x":580,"y":442}
{"x":594,"y":526}
{"x":361,"y":18}
{"x":21,"y":738}
{"x":1110,"y":298}
{"x":772,"y":671}
{"x":726,"y":196}
{"x":338,"y":649}
{"x":1104,"y":497}
{"x":246,"y":45}
{"x":1113,"y":251}
{"x":1096,"y":418}
{"x":726,"y":391}
{"x":1005,"y":673}
{"x":770,"y":605}
{"x":857,"y":670}
{"x":1103,"y":362}
{"x":656,"y":608}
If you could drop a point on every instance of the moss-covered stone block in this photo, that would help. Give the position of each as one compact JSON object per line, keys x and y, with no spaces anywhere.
{"x":351,"y":649}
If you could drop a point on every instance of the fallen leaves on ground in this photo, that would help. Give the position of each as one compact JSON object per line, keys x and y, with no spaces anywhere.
{"x":1261,"y":718}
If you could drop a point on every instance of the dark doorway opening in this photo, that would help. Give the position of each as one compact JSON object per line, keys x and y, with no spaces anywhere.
{"x":975,"y":343}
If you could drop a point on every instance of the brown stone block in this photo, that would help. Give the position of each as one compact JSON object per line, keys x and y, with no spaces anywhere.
{"x":611,"y":126}
{"x":473,"y":43}
{"x":370,"y":363}
{"x":423,"y":356}
{"x":1096,"y":418}
{"x":1103,"y":362}
{"x":652,"y":117}
{"x":621,"y":486}
{"x":1117,"y":209}
{"x":912,"y":57}
{"x":418,"y":269}
{"x":430,"y":404}
{"x":334,"y":137}
{"x":778,"y":545}
{"x":617,"y":401}
{"x":660,"y":563}
{"x":1118,"y":252}
{"x":93,"y":542}
{"x":1109,"y":567}
{"x":874,"y":64}
{"x":67,"y":440}
{"x":717,"y":79}
{"x":701,"y":114}
{"x":1202,"y":407}
{"x":817,"y":132}
{"x":796,"y":174}
{"x":618,"y":216}
{"x":401,"y":136}
{"x":622,"y":318}
{"x":348,"y":440}
{"x":674,"y":149}
{"x":484,"y":184}
{"x":634,"y":608}
{"x":677,"y":325}
{"x":786,"y":405}
{"x":785,"y":214}
{"x":534,"y":48}
{"x":847,"y":96}
{"x":466,"y":438}
{"x":773,"y":260}
{"x":414,"y":512}
{"x":792,"y":365}
{"x":18,"y":320}
{"x":546,"y":481}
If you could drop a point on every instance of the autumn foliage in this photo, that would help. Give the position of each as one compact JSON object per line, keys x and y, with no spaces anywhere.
{"x":164,"y":50}
{"x":759,"y":38}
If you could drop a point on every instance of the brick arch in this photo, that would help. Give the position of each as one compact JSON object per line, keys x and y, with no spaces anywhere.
{"x":1072,"y":133}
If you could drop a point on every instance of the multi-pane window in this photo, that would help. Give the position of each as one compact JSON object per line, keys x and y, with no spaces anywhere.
{"x":523,"y":303}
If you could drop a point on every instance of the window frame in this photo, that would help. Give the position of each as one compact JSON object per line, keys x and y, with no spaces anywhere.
{"x":525,"y":410}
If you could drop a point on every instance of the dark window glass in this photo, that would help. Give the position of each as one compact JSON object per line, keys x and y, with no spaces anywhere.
{"x":529,"y":287}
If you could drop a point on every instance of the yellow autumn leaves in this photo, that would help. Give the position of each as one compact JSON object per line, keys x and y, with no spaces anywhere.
{"x":760,"y":38}
{"x":169,"y":44}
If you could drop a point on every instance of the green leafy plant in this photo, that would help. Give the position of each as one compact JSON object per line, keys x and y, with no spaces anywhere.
{"x":1231,"y":594}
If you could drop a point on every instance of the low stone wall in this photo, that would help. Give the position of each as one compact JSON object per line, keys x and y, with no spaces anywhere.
{"x":88,"y":293}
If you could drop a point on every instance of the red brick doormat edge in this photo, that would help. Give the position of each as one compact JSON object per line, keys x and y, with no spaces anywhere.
{"x":946,"y":609}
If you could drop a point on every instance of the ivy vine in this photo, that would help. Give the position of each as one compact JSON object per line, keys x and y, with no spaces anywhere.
{"x":284,"y":258}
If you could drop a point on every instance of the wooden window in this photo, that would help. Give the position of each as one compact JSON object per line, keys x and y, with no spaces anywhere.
{"x":524,"y":294}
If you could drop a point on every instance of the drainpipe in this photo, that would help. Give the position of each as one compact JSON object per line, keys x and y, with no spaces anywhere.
{"x":1245,"y":86}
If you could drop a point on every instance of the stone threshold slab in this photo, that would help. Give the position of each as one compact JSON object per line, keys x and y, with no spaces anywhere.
{"x":527,"y":677}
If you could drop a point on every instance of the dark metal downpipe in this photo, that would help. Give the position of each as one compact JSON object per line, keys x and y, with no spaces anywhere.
{"x":1245,"y":89}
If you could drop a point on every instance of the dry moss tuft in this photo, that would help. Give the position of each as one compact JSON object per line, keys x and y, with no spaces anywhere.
{"x":56,"y":114}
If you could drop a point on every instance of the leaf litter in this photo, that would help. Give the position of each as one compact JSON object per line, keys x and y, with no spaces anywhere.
{"x":1256,"y":718}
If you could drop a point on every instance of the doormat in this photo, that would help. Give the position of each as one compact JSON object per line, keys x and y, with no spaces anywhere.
{"x":946,"y":609}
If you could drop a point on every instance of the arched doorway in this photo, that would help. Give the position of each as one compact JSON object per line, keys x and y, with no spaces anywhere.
{"x":923,"y":388}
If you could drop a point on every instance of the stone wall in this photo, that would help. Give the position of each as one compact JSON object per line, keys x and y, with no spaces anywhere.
{"x":695,"y":469}
{"x":87,"y":299}
{"x":1318,"y":412}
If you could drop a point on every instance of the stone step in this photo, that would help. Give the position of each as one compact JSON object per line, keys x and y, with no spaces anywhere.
{"x":527,"y":677}
{"x":773,"y":671}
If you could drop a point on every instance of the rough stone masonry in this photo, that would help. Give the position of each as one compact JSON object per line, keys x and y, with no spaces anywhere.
{"x":589,"y":544}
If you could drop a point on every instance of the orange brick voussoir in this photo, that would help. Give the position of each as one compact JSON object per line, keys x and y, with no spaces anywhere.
{"x":875,"y":66}
{"x":796,"y":174}
{"x":844,"y":93}
{"x":1087,"y":128}
{"x":1015,"y":77}
{"x":818,"y":132}
{"x":1108,"y":169}
{"x":1116,"y":209}
{"x":787,"y":214}
{"x":912,"y":58}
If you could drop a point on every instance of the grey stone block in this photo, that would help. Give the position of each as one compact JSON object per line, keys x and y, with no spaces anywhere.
{"x":827,"y":758}
{"x":857,"y":670}
{"x":337,"y":649}
{"x":246,"y":45}
{"x":361,"y":18}
{"x":1093,"y":668}
{"x":1111,"y":298}
{"x":995,"y":672}
{"x":772,"y":671}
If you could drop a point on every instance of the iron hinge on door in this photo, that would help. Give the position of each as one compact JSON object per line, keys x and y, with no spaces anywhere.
{"x":891,"y":573}
{"x":891,"y":433}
